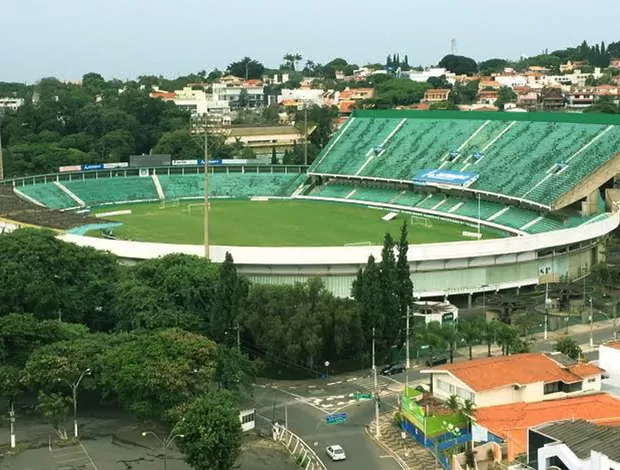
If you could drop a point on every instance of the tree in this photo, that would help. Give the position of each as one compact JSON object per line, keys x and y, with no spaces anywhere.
{"x":55,"y":407}
{"x":470,"y":333}
{"x":439,"y":82}
{"x":291,"y":60}
{"x":453,"y":403}
{"x":211,"y":432}
{"x":248,"y":154}
{"x":491,"y":66}
{"x":459,"y":65}
{"x":389,"y":291}
{"x":274,"y":158}
{"x":234,"y":371}
{"x":507,"y":338}
{"x":432,"y":337}
{"x":488,"y":332}
{"x":397,"y":92}
{"x":230,"y":294}
{"x":246,"y":68}
{"x":152,"y":373}
{"x":451,"y":336}
{"x":403,"y":273}
{"x":569,"y":347}
{"x":505,"y":95}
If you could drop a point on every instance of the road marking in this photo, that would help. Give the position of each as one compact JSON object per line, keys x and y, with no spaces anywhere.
{"x":302,"y":399}
{"x":386,"y":456}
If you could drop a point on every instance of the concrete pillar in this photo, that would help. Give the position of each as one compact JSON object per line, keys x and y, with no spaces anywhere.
{"x":469,"y":297}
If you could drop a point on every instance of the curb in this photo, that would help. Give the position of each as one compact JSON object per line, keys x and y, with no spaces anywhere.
{"x":396,"y":457}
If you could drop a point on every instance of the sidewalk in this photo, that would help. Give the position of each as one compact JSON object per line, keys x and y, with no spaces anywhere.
{"x":408,"y":453}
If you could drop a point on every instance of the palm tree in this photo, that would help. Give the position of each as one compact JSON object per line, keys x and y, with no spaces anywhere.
{"x":309,"y":67}
{"x":451,"y":336}
{"x":296,"y":58}
{"x":453,"y":403}
{"x":507,"y":338}
{"x":470,"y":333}
{"x":291,"y":60}
{"x":488,"y":331}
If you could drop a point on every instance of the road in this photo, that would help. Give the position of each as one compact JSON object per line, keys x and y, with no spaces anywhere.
{"x":307,"y":420}
{"x":308,"y":403}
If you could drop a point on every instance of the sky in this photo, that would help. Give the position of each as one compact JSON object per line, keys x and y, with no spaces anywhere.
{"x":127,"y":38}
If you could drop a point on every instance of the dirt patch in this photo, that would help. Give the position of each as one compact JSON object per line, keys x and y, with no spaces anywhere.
{"x":261,"y":453}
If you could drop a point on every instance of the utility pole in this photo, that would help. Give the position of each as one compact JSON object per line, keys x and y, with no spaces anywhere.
{"x":12,"y":417}
{"x":238,"y":337}
{"x":306,"y":133}
{"x":546,"y":310}
{"x":374,"y":370}
{"x":407,"y":360}
{"x":1,"y":161}
{"x":591,"y":325}
{"x":285,"y":417}
{"x":206,"y":209}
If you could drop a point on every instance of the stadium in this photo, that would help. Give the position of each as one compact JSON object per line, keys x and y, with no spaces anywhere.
{"x":494,"y":201}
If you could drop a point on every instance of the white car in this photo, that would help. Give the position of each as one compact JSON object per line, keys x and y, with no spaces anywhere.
{"x":336,"y":453}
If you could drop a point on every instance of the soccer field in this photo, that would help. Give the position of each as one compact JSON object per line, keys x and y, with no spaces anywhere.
{"x":275,"y":223}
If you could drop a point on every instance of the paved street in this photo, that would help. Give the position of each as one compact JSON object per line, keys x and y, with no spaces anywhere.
{"x":307,"y":419}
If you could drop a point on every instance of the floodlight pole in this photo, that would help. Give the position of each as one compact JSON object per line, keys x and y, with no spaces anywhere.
{"x":206,"y":195}
{"x":374,"y":371}
{"x":1,"y":161}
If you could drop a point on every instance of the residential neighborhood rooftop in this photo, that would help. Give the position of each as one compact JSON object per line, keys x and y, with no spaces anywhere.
{"x":511,"y":422}
{"x":582,"y":437}
{"x":519,"y":369}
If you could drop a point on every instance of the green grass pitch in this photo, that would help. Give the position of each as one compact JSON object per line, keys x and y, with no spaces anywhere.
{"x":275,"y":223}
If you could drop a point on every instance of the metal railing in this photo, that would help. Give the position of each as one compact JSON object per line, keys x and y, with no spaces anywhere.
{"x":304,"y":455}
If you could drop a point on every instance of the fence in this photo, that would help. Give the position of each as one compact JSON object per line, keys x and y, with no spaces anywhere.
{"x":305,"y":457}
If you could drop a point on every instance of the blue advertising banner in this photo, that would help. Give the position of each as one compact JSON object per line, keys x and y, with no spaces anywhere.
{"x":211,"y":162}
{"x":450,"y":177}
{"x":92,"y":166}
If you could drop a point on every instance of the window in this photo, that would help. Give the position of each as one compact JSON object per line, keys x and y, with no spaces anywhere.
{"x":553,"y":387}
{"x":593,"y":379}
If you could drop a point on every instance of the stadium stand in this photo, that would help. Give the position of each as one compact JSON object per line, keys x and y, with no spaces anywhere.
{"x":49,"y":195}
{"x":111,"y":190}
{"x":230,"y":185}
{"x":520,"y":153}
{"x":15,"y":208}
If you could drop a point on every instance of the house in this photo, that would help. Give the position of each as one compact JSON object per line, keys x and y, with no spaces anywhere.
{"x":197,"y":102}
{"x":346,"y":107}
{"x":436,"y":95}
{"x":614,"y":63}
{"x":552,"y":98}
{"x":306,"y":96}
{"x":262,"y":139}
{"x":530,"y":377}
{"x":11,"y":104}
{"x":582,"y":97}
{"x":239,"y":93}
{"x":488,"y":96}
{"x":578,"y":445}
{"x":510,"y":423}
{"x":424,"y":75}
{"x":610,"y":91}
{"x":356,"y":94}
{"x":526,"y":97}
{"x":511,"y":80}
{"x":487,"y":84}
{"x":616,"y":79}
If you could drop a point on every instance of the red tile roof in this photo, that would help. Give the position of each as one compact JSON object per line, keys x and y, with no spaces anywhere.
{"x":346,"y":106}
{"x":613,"y":344}
{"x":512,"y":421}
{"x":438,"y":90}
{"x":522,"y":369}
{"x":166,"y":95}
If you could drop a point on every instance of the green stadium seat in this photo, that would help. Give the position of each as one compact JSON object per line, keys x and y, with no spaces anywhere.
{"x":230,"y":185}
{"x":110,"y":190}
{"x":49,"y":195}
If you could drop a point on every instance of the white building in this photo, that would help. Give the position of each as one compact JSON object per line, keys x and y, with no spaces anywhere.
{"x":574,"y":445}
{"x":424,"y":75}
{"x":196,"y":102}
{"x":577,"y":78}
{"x":232,"y":92}
{"x":303,"y":95}
{"x":511,"y":80}
{"x":11,"y":103}
{"x":530,"y":377}
{"x":248,"y":419}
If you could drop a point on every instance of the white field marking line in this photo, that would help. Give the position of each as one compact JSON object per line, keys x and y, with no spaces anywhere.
{"x":371,"y":151}
{"x":465,"y":166}
{"x":335,"y":141}
{"x":301,"y":399}
{"x":73,"y":460}
{"x":88,"y":455}
{"x":476,"y":132}
{"x":59,"y":456}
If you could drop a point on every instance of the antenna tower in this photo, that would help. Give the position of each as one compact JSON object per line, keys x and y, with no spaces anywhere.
{"x":453,"y":49}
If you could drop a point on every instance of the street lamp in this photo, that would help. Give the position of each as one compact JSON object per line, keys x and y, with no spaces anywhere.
{"x":326,"y":370}
{"x":165,"y":443}
{"x":74,"y":387}
{"x":591,"y":326}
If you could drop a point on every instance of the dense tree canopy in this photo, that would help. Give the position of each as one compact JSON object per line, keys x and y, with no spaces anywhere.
{"x":459,"y":65}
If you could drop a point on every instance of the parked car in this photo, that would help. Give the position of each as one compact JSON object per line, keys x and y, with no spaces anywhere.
{"x":437,"y":361}
{"x":393,"y":369}
{"x":336,"y":453}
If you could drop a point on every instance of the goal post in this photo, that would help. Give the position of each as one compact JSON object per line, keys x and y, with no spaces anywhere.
{"x":421,"y":220}
{"x":168,"y":203}
{"x":199,"y":206}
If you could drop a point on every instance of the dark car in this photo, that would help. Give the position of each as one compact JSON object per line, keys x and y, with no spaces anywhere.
{"x":437,"y":361}
{"x":393,"y":369}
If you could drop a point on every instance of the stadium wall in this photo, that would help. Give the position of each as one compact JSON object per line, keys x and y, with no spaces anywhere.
{"x":439,"y":269}
{"x":576,"y":118}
